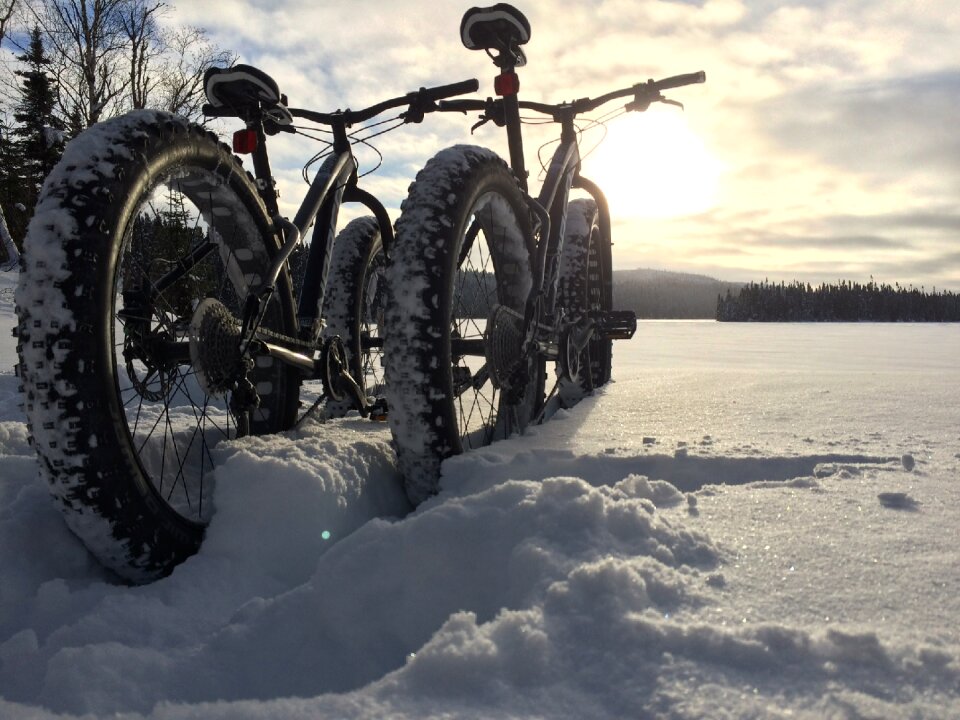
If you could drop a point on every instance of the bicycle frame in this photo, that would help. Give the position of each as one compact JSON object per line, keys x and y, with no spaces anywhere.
{"x":334,"y":184}
{"x":563,"y":173}
{"x":550,"y":209}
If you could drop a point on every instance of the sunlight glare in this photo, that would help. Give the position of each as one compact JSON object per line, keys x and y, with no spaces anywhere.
{"x":652,"y":165}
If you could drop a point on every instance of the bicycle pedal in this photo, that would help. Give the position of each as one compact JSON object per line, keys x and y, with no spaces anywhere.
{"x":378,"y":411}
{"x":618,"y":324}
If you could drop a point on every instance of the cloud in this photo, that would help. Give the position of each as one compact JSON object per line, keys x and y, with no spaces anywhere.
{"x":833,"y":121}
{"x":892,"y":130}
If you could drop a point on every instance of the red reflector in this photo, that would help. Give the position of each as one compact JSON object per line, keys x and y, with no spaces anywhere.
{"x":244,"y":141}
{"x":506,"y":84}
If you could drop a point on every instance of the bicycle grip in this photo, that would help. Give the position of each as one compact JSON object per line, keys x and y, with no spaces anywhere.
{"x":461,"y":105}
{"x":681,"y":80}
{"x":445,"y":91}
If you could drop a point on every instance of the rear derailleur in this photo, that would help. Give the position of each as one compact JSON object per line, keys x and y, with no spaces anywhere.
{"x":224,"y":360}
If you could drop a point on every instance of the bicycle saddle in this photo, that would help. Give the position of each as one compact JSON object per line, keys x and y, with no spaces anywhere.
{"x":241,"y":88}
{"x":500,"y":27}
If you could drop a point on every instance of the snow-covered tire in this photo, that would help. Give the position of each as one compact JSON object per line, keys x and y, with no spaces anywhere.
{"x":585,"y":275}
{"x":354,"y":306}
{"x":122,"y":427}
{"x":443,"y":288}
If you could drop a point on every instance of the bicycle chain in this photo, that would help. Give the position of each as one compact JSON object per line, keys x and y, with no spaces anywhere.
{"x":162,"y":379}
{"x":287,"y":340}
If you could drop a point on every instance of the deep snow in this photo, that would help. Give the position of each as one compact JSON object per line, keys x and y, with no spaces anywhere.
{"x":752,"y":521}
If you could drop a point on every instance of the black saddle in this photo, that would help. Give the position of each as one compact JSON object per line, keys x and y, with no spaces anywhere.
{"x":238,"y":90}
{"x":501,"y":27}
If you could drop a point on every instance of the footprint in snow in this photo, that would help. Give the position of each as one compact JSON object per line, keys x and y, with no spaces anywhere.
{"x":898,"y":501}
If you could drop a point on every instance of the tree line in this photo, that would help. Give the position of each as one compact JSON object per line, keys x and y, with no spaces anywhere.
{"x":656,"y":294}
{"x":78,"y":62}
{"x":844,"y":301}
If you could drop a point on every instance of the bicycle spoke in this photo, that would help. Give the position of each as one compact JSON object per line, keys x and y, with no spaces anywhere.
{"x":143,"y":445}
{"x":185,"y":389}
{"x":480,"y":407}
{"x":173,"y":441}
{"x":201,"y":422}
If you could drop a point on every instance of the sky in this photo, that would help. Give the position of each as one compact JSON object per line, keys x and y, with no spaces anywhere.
{"x":820,"y":148}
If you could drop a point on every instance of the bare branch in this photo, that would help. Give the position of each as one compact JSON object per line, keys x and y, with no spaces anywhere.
{"x":7,"y":8}
{"x":190,"y":54}
{"x":109,"y":56}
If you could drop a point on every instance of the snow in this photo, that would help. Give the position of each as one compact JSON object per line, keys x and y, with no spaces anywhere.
{"x":751,"y":521}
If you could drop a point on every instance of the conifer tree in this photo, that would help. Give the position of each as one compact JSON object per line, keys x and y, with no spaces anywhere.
{"x":39,"y":132}
{"x":13,"y":199}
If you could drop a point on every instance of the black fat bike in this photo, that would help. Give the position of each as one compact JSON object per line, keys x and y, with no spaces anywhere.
{"x":157,"y":312}
{"x":490,"y":283}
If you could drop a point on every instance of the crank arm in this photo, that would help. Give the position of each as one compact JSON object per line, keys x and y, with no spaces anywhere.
{"x":348,"y":384}
{"x":345,"y":384}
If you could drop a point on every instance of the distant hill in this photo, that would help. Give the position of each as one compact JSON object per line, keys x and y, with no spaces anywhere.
{"x":660,"y":294}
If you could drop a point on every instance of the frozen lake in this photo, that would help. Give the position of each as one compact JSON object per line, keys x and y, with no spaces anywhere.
{"x":814,"y":347}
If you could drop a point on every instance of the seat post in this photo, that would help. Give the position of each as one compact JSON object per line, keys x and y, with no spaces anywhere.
{"x":500,"y":30}
{"x":263,"y":173}
{"x":507,"y":85}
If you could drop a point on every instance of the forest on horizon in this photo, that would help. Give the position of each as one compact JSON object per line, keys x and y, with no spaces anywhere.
{"x":662,"y":294}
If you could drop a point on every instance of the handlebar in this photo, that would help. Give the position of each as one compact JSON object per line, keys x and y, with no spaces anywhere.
{"x":681,"y":80}
{"x":420,"y":101}
{"x":643,"y":94}
{"x":444,"y":91}
{"x":463,"y":105}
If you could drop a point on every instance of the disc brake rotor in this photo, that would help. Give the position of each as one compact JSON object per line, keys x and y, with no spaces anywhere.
{"x":154,"y":385}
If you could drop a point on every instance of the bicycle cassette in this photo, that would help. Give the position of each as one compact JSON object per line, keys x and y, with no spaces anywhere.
{"x":215,"y":347}
{"x":504,"y":344}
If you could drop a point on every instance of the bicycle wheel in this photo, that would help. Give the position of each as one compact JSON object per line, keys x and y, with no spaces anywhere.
{"x":354,"y":306}
{"x":459,"y":277}
{"x":147,"y":227}
{"x":584,"y":274}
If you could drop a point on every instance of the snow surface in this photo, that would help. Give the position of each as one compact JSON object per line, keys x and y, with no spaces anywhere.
{"x":752,"y":521}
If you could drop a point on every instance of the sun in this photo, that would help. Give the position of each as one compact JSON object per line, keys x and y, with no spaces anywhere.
{"x":652,"y":165}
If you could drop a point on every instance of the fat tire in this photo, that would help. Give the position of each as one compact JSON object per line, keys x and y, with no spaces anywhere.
{"x":584,"y":273}
{"x":74,"y":264}
{"x":354,"y":305}
{"x":429,"y":419}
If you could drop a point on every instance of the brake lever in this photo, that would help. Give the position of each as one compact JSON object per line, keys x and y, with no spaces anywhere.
{"x":483,"y":121}
{"x":640,"y":104}
{"x":413,"y":115}
{"x":642,"y":101}
{"x":417,"y":110}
